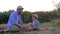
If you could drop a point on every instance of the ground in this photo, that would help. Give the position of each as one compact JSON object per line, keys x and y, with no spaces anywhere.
{"x":54,"y":24}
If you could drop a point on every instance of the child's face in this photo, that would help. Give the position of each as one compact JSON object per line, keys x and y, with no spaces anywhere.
{"x":33,"y":18}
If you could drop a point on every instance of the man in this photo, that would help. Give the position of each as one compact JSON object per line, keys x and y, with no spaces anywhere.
{"x":15,"y":20}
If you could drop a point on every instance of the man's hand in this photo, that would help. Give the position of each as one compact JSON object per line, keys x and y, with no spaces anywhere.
{"x":18,"y":25}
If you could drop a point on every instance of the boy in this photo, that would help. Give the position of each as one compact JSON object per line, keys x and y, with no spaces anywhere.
{"x":35,"y":25}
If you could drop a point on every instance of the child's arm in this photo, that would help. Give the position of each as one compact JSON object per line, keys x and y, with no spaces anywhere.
{"x":33,"y":26}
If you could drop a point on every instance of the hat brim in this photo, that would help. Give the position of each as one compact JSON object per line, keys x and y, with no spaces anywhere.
{"x":20,"y":8}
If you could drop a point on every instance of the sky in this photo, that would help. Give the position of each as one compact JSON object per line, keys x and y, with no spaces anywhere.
{"x":28,"y":5}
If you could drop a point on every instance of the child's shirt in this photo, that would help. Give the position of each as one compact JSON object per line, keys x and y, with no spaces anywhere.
{"x":36,"y":23}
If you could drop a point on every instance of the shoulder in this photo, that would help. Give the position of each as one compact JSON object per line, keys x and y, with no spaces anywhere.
{"x":14,"y":13}
{"x":36,"y":21}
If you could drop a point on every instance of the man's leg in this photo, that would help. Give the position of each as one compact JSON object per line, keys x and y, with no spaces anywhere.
{"x":14,"y":28}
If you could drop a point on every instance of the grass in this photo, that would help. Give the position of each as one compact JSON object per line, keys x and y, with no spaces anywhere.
{"x":3,"y":25}
{"x":55,"y":24}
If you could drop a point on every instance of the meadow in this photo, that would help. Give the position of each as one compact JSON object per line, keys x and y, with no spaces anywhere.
{"x":54,"y":24}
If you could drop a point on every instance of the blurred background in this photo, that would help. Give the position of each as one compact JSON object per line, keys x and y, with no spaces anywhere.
{"x":48,"y":12}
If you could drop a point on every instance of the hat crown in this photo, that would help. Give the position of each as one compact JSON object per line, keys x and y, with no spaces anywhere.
{"x":19,"y":7}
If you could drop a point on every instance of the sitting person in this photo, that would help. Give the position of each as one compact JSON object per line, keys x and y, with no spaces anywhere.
{"x":15,"y":20}
{"x":35,"y":25}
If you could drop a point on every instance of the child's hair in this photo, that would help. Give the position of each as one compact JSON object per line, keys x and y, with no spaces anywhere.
{"x":35,"y":16}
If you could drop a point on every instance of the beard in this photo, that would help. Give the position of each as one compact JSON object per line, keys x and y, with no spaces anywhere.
{"x":19,"y":12}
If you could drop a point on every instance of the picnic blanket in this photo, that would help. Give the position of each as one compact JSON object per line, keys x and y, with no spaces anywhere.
{"x":45,"y":28}
{"x":2,"y":28}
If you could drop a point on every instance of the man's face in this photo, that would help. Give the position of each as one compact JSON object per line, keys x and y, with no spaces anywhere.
{"x":20,"y":10}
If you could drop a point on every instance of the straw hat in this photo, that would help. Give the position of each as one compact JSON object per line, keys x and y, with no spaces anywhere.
{"x":20,"y":7}
{"x":35,"y":15}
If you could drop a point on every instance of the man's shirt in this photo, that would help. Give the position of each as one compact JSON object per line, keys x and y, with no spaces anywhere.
{"x":14,"y":18}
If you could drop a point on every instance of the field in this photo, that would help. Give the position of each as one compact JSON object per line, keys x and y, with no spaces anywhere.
{"x":54,"y":24}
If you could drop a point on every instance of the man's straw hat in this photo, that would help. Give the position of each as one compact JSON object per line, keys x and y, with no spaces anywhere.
{"x":20,"y":7}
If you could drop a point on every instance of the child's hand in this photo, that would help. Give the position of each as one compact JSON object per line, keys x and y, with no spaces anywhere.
{"x":24,"y":25}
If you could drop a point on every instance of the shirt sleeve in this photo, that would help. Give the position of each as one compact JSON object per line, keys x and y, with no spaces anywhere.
{"x":20,"y":21}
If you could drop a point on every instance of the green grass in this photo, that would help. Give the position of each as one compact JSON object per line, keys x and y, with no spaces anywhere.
{"x":55,"y":24}
{"x":3,"y":25}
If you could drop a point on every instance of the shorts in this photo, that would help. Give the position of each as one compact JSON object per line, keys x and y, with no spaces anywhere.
{"x":15,"y":28}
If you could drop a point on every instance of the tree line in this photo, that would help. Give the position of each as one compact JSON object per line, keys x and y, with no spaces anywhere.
{"x":26,"y":16}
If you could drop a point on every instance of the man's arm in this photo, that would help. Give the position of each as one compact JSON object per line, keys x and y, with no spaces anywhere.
{"x":18,"y":25}
{"x":19,"y":22}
